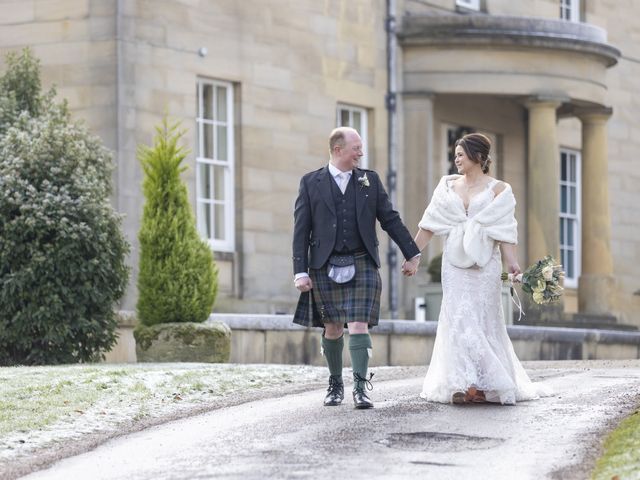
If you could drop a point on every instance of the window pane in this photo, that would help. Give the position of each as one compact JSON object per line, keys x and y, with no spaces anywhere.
{"x":208,"y":141}
{"x":207,"y":102}
{"x":572,"y":191}
{"x":221,"y":146}
{"x":563,"y":198}
{"x":199,"y":143}
{"x":204,"y":219}
{"x":344,"y":118}
{"x":563,"y":166}
{"x":221,"y":105}
{"x":569,"y":265}
{"x":562,"y":227}
{"x":205,"y":180}
{"x":572,"y":169}
{"x":357,"y":122}
{"x":219,"y":220}
{"x":570,"y":228}
{"x":218,"y":192}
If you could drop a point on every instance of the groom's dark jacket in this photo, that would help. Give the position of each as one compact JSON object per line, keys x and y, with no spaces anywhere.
{"x":315,"y":227}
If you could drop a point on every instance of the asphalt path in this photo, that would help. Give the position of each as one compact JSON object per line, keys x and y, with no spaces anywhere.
{"x":294,"y":436}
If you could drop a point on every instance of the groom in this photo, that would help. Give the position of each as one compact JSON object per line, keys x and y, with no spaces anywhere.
{"x":336,"y":262}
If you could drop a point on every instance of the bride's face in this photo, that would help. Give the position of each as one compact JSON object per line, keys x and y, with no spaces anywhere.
{"x":462,"y":161}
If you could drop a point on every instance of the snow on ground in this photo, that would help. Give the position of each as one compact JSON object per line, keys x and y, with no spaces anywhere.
{"x":44,"y":407}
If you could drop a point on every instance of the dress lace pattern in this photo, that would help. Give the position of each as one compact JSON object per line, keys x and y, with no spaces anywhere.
{"x":472,"y":347}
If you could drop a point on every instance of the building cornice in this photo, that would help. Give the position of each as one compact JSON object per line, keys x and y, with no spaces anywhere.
{"x":518,"y":32}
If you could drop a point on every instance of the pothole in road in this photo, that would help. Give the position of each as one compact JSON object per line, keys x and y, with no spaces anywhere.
{"x":438,"y":442}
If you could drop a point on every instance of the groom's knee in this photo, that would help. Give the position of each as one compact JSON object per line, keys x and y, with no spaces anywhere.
{"x":333,"y":331}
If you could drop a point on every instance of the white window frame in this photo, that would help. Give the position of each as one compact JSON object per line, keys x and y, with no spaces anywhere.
{"x":469,"y":4}
{"x":570,"y":10}
{"x":226,"y":244}
{"x":572,"y":282}
{"x":364,"y":133}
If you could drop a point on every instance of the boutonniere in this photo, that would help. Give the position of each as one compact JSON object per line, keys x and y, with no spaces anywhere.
{"x":363,"y":180}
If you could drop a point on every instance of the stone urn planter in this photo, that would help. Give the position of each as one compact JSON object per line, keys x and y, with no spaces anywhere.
{"x":183,"y":342}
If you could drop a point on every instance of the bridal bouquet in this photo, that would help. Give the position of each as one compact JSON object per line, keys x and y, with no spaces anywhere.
{"x":541,"y":280}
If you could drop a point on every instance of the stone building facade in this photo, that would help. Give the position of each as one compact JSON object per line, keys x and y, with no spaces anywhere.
{"x":258,"y":85}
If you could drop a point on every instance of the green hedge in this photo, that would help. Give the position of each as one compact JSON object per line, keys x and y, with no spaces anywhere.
{"x":62,"y":254}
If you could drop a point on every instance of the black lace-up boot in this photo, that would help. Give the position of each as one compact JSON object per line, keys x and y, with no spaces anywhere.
{"x":360,"y":398}
{"x":335,"y":392}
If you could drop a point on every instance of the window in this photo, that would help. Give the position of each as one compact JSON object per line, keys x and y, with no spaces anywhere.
{"x":356,"y":118}
{"x":215,"y":164}
{"x":469,"y":4}
{"x":570,"y":216}
{"x":570,"y":10}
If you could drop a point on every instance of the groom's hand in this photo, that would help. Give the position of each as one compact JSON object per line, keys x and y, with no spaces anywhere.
{"x":410,"y":267}
{"x":304,"y":284}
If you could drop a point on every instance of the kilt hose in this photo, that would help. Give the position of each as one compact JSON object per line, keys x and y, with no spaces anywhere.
{"x":355,"y":301}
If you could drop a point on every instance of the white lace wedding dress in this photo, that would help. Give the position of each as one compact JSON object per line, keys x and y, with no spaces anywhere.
{"x":472,"y":347}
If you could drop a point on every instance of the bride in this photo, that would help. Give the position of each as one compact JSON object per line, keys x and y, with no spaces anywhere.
{"x":473,"y":359}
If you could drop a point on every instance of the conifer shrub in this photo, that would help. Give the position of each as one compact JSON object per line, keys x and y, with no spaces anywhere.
{"x":177,"y":281}
{"x":435,"y":269}
{"x":62,"y":253}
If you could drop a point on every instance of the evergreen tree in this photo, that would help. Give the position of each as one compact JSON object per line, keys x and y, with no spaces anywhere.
{"x":178,"y":279}
{"x":62,"y":254}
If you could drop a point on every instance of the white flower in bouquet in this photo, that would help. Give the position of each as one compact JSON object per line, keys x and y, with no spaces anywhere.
{"x":538,"y":297}
{"x":541,"y":281}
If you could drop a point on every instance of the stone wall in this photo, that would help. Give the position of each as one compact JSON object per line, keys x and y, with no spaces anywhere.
{"x":274,"y":339}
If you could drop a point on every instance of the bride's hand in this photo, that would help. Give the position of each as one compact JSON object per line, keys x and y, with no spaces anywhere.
{"x":410,"y":268}
{"x":403,"y":268}
{"x":514,"y":268}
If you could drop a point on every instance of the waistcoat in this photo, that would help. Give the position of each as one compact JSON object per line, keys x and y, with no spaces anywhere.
{"x":348,"y":237}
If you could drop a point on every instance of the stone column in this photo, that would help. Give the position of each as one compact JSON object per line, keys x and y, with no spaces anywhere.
{"x":543,"y":180}
{"x":543,"y":197}
{"x":416,"y":174}
{"x":596,"y":279}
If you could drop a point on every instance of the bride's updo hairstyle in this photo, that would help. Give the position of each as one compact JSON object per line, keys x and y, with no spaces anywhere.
{"x":477,"y":148}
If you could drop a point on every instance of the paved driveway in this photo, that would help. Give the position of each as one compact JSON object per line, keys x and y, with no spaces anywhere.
{"x":294,"y":436}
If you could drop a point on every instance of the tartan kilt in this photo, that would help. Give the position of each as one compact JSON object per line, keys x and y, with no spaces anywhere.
{"x":355,"y":301}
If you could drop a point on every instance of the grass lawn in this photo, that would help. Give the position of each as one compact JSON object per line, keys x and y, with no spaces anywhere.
{"x":621,"y":457}
{"x":44,"y":407}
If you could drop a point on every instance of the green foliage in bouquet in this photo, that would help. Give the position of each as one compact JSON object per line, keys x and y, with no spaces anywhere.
{"x":542,"y":281}
{"x":62,"y":254}
{"x":178,"y":279}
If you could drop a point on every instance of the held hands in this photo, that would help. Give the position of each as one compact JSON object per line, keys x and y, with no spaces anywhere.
{"x":410,"y":267}
{"x":303,"y":284}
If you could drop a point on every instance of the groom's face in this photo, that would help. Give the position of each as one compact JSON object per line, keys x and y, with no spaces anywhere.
{"x":349,"y":155}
